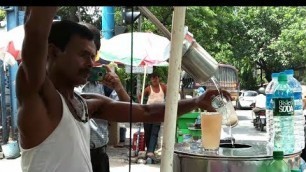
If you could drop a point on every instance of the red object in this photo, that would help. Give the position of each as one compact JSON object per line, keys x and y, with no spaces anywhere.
{"x":141,"y":141}
{"x":13,"y":51}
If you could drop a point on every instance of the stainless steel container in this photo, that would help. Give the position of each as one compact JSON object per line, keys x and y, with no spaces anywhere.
{"x":251,"y":159}
{"x":196,"y":61}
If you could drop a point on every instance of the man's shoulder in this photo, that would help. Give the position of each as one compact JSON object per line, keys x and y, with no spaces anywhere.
{"x":260,"y":96}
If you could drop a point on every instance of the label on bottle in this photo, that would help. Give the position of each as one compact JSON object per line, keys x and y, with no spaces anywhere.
{"x":268,"y":101}
{"x":298,"y":103}
{"x":283,"y":107}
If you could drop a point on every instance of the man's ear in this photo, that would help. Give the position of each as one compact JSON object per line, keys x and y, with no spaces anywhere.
{"x":53,"y":51}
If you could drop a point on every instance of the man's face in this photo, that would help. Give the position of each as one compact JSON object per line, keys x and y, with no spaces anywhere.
{"x":154,"y":80}
{"x":75,"y":62}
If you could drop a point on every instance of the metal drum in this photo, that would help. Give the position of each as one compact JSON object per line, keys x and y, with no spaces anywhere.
{"x":252,"y":156}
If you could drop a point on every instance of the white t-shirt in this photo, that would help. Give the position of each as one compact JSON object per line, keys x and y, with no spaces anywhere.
{"x":260,"y":101}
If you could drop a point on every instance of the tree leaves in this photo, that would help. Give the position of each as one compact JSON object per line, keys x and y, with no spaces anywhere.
{"x":270,"y":38}
{"x":2,"y":15}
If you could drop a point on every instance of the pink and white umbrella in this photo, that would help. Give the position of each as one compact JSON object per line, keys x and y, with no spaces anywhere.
{"x":11,"y":42}
{"x":148,"y":49}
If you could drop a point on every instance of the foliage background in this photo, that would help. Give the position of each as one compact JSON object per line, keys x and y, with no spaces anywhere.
{"x":250,"y":38}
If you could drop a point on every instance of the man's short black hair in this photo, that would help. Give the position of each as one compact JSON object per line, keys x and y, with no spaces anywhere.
{"x":62,"y":31}
{"x":96,"y":32}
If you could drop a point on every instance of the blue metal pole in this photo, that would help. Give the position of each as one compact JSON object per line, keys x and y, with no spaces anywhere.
{"x":11,"y":23}
{"x":14,"y":19}
{"x":3,"y":105}
{"x":12,"y":84}
{"x":108,"y":22}
{"x":13,"y":73}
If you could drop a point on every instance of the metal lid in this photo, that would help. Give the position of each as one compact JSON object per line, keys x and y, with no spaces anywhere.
{"x":257,"y":151}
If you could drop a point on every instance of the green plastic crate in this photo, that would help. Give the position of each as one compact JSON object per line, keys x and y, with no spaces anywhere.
{"x":182,"y":121}
{"x":180,"y":133}
{"x":196,"y":132}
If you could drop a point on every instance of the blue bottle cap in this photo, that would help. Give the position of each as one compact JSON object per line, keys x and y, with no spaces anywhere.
{"x":275,"y":75}
{"x":289,"y":72}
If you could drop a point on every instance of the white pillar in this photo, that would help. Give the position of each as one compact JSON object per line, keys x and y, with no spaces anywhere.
{"x":177,"y":37}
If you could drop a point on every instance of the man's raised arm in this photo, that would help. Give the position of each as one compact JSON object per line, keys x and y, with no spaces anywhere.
{"x":35,"y":44}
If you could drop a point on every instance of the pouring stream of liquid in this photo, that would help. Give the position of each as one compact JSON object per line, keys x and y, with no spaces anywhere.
{"x":215,"y":82}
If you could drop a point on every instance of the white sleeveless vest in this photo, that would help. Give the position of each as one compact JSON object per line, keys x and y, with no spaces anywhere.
{"x":156,"y":97}
{"x":66,"y":149}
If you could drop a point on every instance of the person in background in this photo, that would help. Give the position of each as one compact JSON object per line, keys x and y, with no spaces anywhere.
{"x":111,"y":87}
{"x":260,"y":100}
{"x":156,"y":93}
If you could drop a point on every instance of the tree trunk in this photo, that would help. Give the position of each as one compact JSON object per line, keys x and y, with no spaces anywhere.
{"x":72,"y":14}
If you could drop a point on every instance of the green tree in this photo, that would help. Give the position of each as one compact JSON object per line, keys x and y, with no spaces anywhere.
{"x":88,"y":14}
{"x":271,"y":38}
{"x":2,"y":15}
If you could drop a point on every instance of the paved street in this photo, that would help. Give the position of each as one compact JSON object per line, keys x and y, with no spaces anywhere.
{"x":243,"y":131}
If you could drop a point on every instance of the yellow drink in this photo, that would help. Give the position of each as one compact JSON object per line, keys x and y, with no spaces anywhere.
{"x":211,"y":130}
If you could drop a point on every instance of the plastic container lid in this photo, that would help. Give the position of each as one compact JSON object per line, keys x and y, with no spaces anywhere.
{"x":289,"y":72}
{"x":278,"y":154}
{"x":282,"y":77}
{"x":295,"y":170}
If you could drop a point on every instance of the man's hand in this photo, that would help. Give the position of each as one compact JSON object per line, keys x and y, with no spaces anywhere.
{"x":112,"y":80}
{"x":204,"y":101}
{"x":49,"y":11}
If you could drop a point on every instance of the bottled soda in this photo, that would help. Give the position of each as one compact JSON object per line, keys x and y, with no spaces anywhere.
{"x":283,"y":110}
{"x":269,"y":109}
{"x":278,"y":164}
{"x":299,"y":119}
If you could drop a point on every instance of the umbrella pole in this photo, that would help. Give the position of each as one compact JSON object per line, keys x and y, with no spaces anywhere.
{"x":177,"y":37}
{"x":143,"y":83}
{"x":141,"y":102}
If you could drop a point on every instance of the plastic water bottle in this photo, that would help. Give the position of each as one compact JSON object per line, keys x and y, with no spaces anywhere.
{"x":278,"y":164}
{"x":299,"y":119}
{"x":269,"y":109}
{"x":283,"y":111}
{"x":302,"y":165}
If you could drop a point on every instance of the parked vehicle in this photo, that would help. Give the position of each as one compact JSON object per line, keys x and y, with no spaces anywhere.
{"x":245,"y":99}
{"x":227,"y":79}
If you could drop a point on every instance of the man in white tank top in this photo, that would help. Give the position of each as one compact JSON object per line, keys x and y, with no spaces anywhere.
{"x":52,"y":119}
{"x":156,"y":93}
